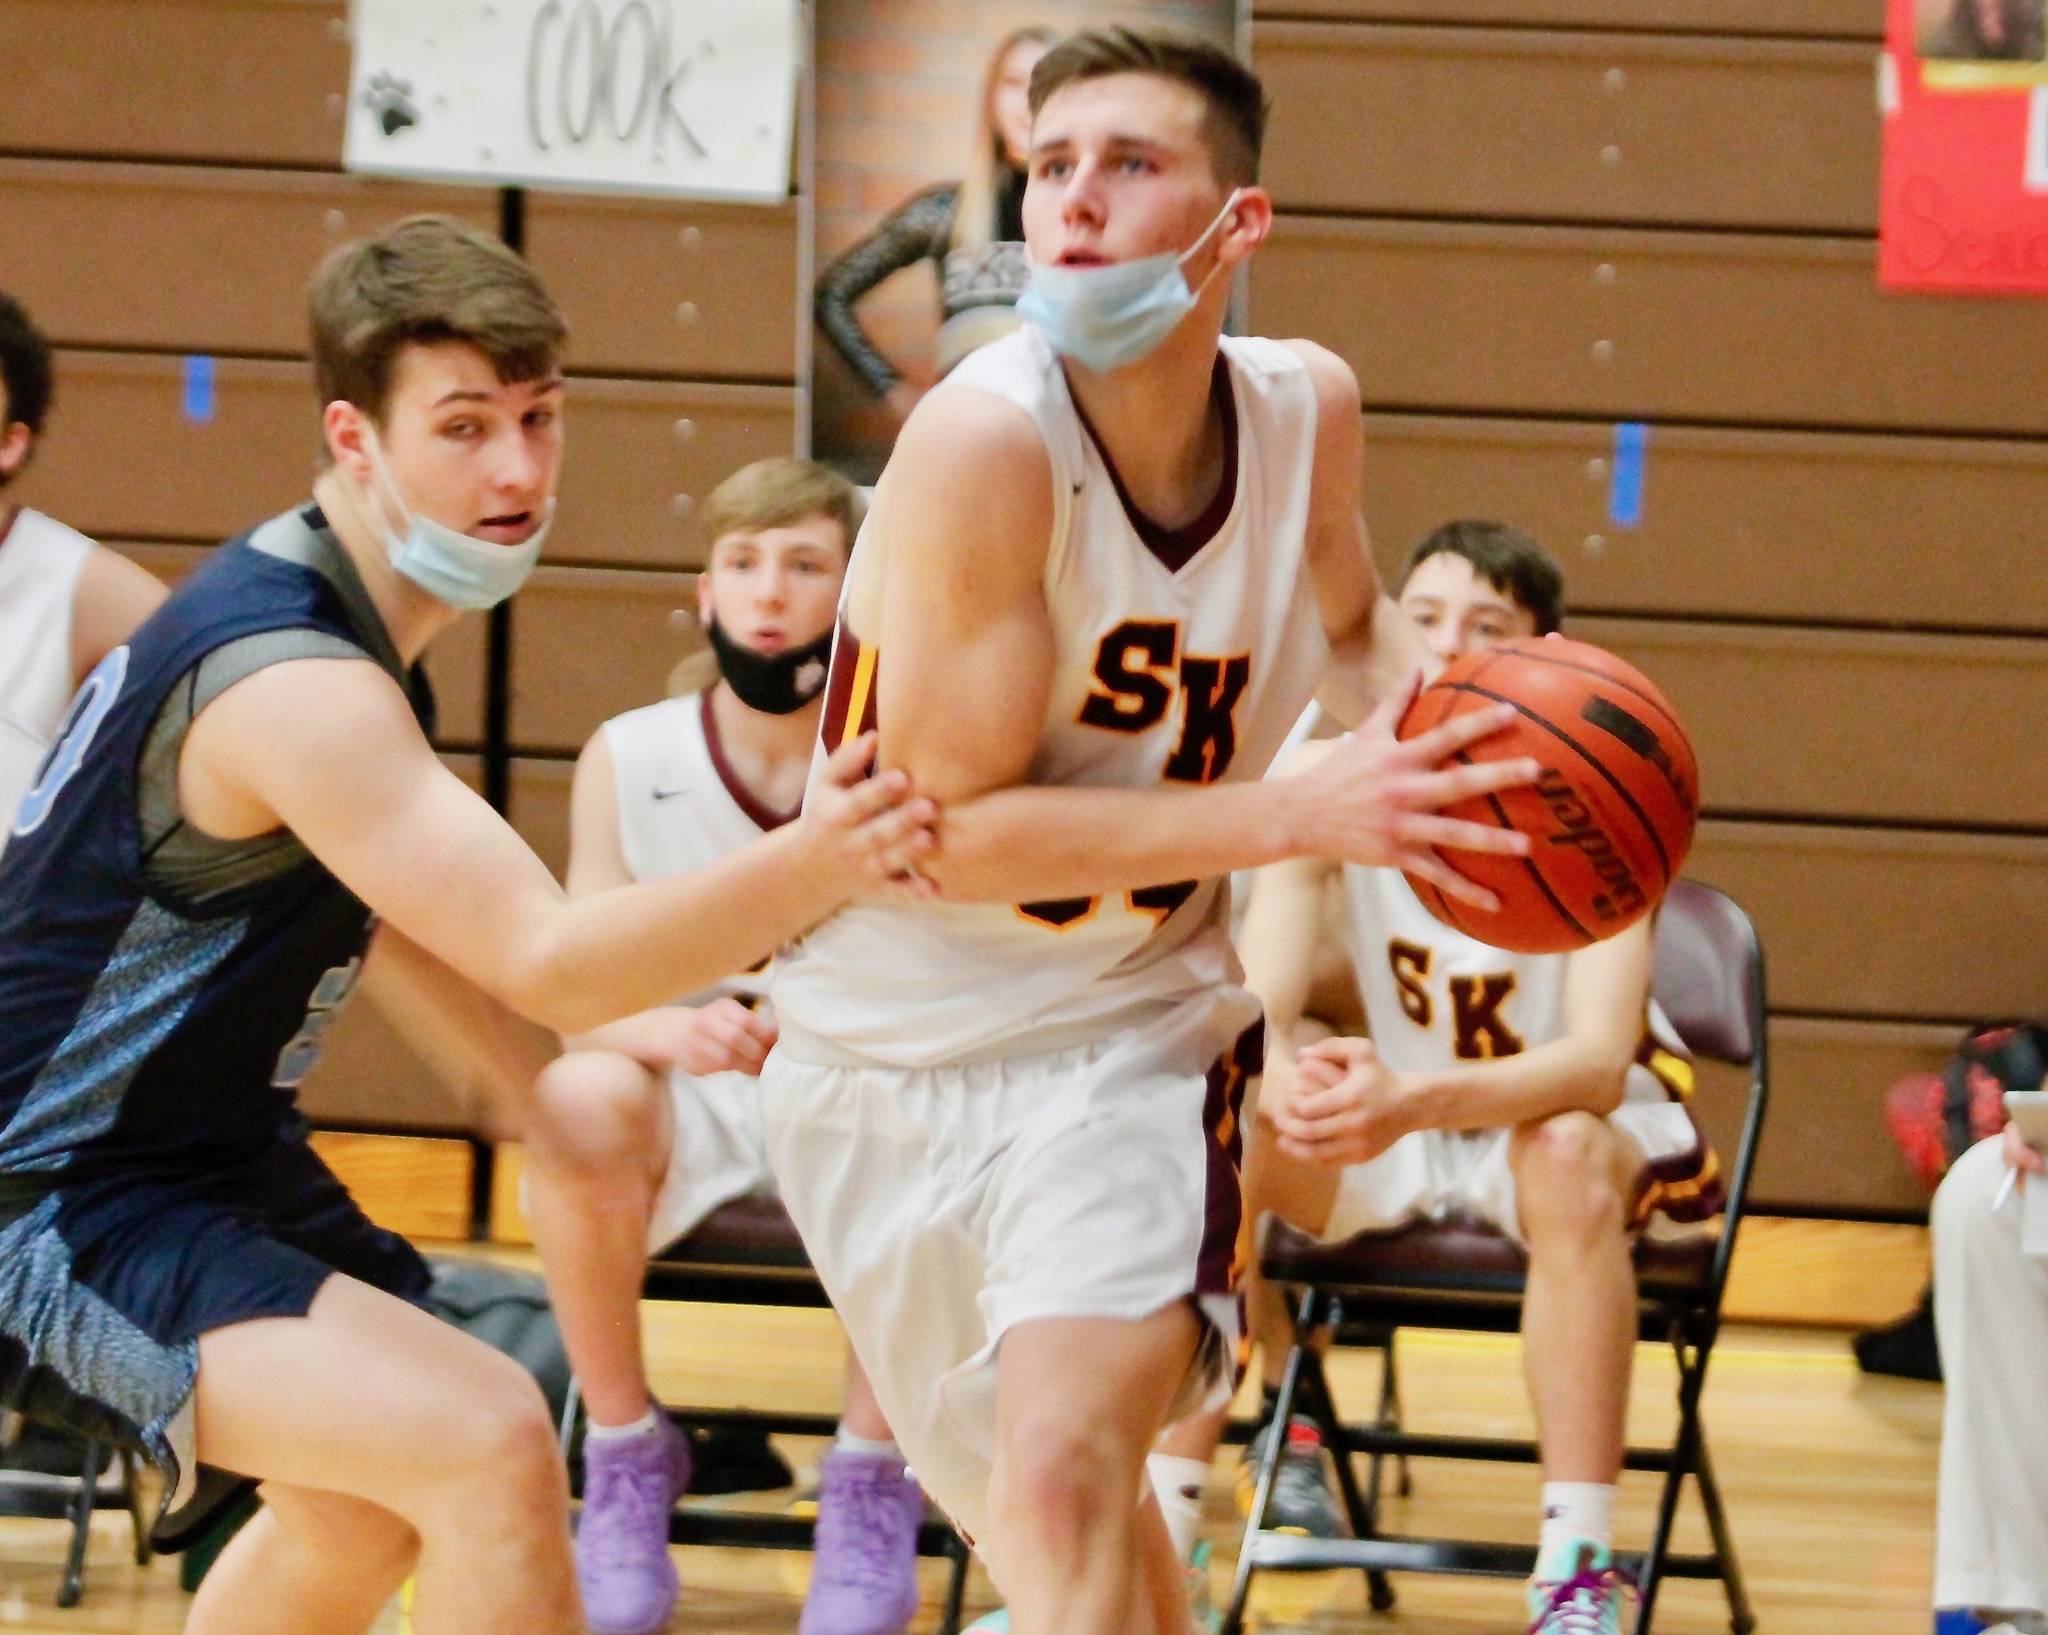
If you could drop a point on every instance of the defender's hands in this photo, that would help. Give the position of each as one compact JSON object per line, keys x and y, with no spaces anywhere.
{"x":1374,"y":799}
{"x":873,"y":830}
{"x":1344,"y":1105}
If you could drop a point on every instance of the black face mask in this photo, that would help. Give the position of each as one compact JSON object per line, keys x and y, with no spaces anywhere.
{"x":773,"y":683}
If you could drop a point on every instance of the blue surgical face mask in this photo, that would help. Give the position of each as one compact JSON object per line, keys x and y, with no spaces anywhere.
{"x":1106,"y":317}
{"x":453,"y":567}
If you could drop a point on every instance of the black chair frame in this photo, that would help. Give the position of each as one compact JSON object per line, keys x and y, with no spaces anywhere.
{"x":74,"y":1498}
{"x":1674,"y":1307}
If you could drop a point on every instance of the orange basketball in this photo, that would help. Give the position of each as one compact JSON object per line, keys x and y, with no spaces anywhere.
{"x":1609,"y":821}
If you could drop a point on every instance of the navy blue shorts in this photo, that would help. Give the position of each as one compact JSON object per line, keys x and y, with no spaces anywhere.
{"x":107,"y":1285}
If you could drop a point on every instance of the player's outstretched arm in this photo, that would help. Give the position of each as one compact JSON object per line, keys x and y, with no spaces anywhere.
{"x":965,"y":667}
{"x":329,"y":749}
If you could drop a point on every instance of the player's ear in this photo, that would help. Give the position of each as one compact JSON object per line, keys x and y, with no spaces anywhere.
{"x":1249,"y":222}
{"x":347,"y":432}
{"x":15,"y":438}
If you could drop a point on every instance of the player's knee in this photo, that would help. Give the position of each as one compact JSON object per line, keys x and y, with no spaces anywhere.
{"x":500,"y":1441}
{"x":597,"y":1111}
{"x":1059,"y":1480}
{"x":1567,"y":1172}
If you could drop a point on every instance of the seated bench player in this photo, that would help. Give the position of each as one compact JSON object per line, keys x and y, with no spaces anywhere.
{"x":639,"y":1157}
{"x":240,"y":792}
{"x":65,"y":602}
{"x":1539,"y":1094}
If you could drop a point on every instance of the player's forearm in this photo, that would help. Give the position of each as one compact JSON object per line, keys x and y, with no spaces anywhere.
{"x":608,"y":955}
{"x":1567,"y":1075}
{"x":647,"y":1036}
{"x":1028,"y":843}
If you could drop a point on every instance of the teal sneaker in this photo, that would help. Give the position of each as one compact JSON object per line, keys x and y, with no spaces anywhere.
{"x":1586,"y":1602}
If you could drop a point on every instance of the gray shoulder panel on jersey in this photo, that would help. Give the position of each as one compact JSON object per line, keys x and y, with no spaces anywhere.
{"x":187,"y":868}
{"x":288,"y":538}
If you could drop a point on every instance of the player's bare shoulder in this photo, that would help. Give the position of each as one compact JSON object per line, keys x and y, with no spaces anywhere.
{"x":969,"y":468}
{"x":1335,"y":382}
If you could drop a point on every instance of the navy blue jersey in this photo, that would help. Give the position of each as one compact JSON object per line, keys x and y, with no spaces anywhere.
{"x":162,"y":992}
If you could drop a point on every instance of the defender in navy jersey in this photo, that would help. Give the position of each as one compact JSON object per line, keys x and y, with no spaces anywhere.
{"x":238,"y":795}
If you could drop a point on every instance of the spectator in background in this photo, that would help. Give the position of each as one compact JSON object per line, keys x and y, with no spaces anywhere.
{"x":972,"y":231}
{"x":65,"y":602}
{"x":1991,"y":1316}
{"x":1989,"y":31}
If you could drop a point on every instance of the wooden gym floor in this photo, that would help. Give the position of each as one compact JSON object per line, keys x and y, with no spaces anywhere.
{"x":1829,"y":1479}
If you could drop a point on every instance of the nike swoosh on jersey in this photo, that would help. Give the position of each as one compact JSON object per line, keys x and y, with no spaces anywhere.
{"x":670,"y":794}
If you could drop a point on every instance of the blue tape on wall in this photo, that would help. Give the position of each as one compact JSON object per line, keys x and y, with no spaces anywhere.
{"x":1631,"y":453}
{"x":199,"y":389}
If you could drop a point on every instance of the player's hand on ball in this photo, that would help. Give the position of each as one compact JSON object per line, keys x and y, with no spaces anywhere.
{"x":721,"y":1037}
{"x":1375,"y":799}
{"x":1345,"y":1106}
{"x":875,"y":828}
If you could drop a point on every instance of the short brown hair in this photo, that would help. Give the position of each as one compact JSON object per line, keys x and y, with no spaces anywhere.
{"x":1234,"y":128}
{"x":1506,"y":558}
{"x":776,"y":492}
{"x":427,"y":278}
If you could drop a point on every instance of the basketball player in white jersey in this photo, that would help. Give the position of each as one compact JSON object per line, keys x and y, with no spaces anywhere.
{"x":1112,"y":558}
{"x":65,"y":603}
{"x":1540,"y":1094}
{"x":638,"y":1158}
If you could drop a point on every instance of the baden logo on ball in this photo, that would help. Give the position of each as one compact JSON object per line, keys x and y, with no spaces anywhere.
{"x":1611,"y":817}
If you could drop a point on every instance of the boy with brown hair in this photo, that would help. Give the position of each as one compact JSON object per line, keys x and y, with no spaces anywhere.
{"x":242,"y":792}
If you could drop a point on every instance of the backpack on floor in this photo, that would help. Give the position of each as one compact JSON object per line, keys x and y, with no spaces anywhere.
{"x":1937,"y":1117}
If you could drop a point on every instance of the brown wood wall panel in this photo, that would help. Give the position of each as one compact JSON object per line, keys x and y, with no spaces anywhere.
{"x":589,"y":643}
{"x":120,"y":458}
{"x":1852,"y":724}
{"x":188,"y":257}
{"x":1826,"y":1141}
{"x":1646,"y":326}
{"x":671,"y":287}
{"x":262,"y":81}
{"x":455,"y":663}
{"x":642,"y":457}
{"x":1589,"y":127}
{"x":1859,"y":19}
{"x":1898,"y":924}
{"x":539,"y":808}
{"x":1748,"y":524}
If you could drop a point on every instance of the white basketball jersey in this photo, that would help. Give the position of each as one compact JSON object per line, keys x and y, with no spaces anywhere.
{"x":40,"y":560}
{"x":681,"y":805}
{"x":1180,"y":659}
{"x":1434,"y":996}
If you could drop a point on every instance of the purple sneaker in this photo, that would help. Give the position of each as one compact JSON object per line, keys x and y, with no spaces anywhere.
{"x":864,"y":1567}
{"x":622,"y":1560}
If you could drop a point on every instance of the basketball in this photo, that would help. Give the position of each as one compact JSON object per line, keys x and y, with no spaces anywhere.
{"x":1610,"y":819}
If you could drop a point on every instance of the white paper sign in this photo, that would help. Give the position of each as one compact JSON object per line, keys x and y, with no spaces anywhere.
{"x":694,"y":97}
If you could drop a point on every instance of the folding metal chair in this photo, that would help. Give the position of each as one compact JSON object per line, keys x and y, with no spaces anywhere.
{"x":1709,"y":980}
{"x":97,"y":1478}
{"x":748,"y":1253}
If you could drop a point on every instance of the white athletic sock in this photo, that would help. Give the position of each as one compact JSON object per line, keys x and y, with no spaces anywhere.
{"x":643,"y":1426}
{"x":873,"y":1447}
{"x":1573,"y":1511}
{"x":1177,"y":1482}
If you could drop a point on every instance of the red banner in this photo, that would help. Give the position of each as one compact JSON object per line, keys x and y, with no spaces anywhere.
{"x":1964,"y":86}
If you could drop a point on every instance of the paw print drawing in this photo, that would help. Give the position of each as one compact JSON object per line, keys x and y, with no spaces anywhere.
{"x":390,"y":99}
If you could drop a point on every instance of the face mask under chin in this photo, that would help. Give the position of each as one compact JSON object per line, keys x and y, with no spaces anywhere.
{"x":1107,"y":317}
{"x":454,"y":568}
{"x":773,"y":683}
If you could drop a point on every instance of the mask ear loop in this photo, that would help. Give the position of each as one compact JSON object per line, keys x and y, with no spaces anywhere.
{"x":1208,"y":233}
